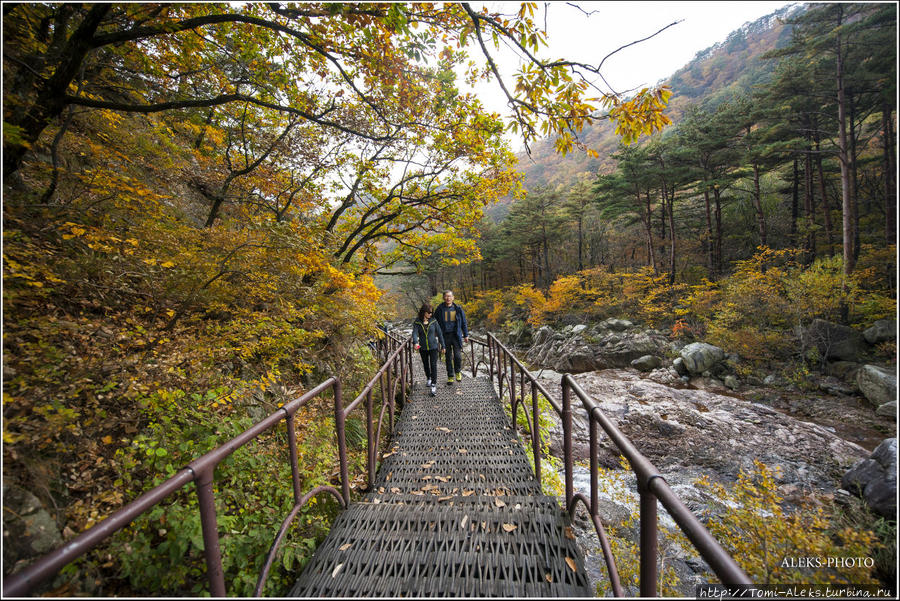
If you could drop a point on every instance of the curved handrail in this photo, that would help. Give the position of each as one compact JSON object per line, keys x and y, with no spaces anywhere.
{"x":652,"y":487}
{"x":397,"y":367}
{"x":199,"y":471}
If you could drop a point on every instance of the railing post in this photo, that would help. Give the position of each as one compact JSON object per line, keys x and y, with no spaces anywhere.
{"x":371,"y":438}
{"x":340,"y":426}
{"x":514,"y":405}
{"x":567,"y":440}
{"x":491,"y":354}
{"x":390,"y":390}
{"x":295,"y":467}
{"x":648,"y":542}
{"x":210,"y":529}
{"x":402,"y":382}
{"x":594,"y":467}
{"x":535,"y":432}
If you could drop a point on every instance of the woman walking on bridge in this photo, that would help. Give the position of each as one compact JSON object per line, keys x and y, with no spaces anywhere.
{"x":429,"y":333}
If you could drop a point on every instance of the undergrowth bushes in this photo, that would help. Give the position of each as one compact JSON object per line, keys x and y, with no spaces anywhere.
{"x":753,"y":312}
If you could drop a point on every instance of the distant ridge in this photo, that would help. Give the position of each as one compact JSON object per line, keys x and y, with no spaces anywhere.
{"x":731,"y":66}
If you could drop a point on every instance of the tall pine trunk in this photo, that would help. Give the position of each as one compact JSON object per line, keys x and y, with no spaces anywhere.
{"x":795,"y":201}
{"x":757,"y":203}
{"x":709,"y":233}
{"x":847,"y":201}
{"x":890,"y":182}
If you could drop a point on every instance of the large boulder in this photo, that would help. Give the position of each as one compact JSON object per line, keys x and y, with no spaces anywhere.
{"x":646,"y":363}
{"x":699,"y":357}
{"x":888,"y":410}
{"x":616,"y":325}
{"x":875,"y":479}
{"x":579,"y":350}
{"x":877,"y":384}
{"x":543,"y":334}
{"x":28,"y":528}
{"x":833,"y":340}
{"x":881,"y":330}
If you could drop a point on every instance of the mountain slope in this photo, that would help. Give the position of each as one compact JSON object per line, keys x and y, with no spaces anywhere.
{"x":715,"y":74}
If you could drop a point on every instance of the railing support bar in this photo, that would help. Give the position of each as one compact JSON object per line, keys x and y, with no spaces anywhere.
{"x":535,"y":431}
{"x":210,"y":529}
{"x":649,"y":576}
{"x":567,"y":441}
{"x":295,"y":466}
{"x":340,"y":426}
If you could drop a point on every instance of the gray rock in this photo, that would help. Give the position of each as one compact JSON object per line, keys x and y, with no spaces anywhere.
{"x":679,"y":366}
{"x":833,"y":340}
{"x":888,"y":410}
{"x":845,"y":370}
{"x":28,"y":529}
{"x":699,"y":356}
{"x":667,"y":427}
{"x":875,"y":478}
{"x":731,"y":382}
{"x":877,"y":384}
{"x":832,"y":385}
{"x":886,"y":456}
{"x":881,"y":330}
{"x":770,"y":380}
{"x":579,"y":329}
{"x":617,"y":325}
{"x":543,"y":334}
{"x":646,"y":363}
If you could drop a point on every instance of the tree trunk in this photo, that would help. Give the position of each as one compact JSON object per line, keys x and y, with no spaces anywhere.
{"x":810,"y":207}
{"x":890,"y":182}
{"x":854,"y":182}
{"x":757,"y":202}
{"x":580,"y":243}
{"x":709,"y":235}
{"x":795,"y":201}
{"x":51,"y":93}
{"x":849,"y":238}
{"x":826,"y":206}
{"x":648,"y":226}
{"x":671,"y":235}
{"x":717,"y":195}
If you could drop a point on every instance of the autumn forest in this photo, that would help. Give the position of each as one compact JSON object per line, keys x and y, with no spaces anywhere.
{"x":209,"y":207}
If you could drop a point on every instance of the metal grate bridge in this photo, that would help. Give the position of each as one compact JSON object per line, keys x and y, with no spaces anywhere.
{"x":455,"y":510}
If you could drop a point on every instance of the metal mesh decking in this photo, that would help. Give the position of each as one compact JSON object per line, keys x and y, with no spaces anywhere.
{"x":455,"y":511}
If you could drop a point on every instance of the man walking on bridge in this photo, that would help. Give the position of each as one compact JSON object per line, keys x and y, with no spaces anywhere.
{"x":452,"y":320}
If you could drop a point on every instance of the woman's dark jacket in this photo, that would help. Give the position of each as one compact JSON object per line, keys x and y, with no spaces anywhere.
{"x":429,"y":336}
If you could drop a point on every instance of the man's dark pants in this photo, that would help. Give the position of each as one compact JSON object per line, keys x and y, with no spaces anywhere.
{"x":454,"y":355}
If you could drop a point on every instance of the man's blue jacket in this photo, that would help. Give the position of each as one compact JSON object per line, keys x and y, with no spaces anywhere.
{"x":452,"y":320}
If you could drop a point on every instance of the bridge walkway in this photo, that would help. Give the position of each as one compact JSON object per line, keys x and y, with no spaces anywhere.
{"x":455,"y":511}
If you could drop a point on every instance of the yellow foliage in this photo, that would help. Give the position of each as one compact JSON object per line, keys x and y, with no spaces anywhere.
{"x":766,"y":540}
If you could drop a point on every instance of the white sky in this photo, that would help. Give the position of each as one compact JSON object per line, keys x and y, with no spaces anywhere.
{"x":574,"y":35}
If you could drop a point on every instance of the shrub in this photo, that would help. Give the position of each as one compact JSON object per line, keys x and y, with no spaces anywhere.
{"x":766,"y":540}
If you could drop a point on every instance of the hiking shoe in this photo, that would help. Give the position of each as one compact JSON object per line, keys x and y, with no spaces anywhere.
{"x":433,"y":391}
{"x":449,"y":381}
{"x":428,"y":383}
{"x":459,"y":377}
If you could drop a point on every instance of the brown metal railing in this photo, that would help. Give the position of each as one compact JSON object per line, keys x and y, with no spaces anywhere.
{"x":652,"y":487}
{"x":391,"y":378}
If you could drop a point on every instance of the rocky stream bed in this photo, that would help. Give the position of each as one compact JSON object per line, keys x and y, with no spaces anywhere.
{"x":693,"y":417}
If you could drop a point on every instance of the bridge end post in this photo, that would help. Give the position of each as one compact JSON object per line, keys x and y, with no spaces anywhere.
{"x":340,"y":428}
{"x":648,"y":537}
{"x":567,"y":440}
{"x":210,"y":529}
